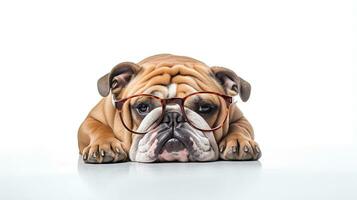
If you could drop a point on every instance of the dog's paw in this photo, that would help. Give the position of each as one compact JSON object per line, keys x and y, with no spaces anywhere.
{"x":107,"y":150}
{"x":239,"y":148}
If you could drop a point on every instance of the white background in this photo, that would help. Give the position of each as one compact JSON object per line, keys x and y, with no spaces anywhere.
{"x":299,"y":56}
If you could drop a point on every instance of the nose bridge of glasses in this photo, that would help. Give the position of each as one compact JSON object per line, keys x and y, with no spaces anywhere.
{"x":173,"y":104}
{"x":174,"y":101}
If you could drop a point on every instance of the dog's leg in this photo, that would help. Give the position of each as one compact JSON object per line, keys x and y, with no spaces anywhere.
{"x":239,"y":143}
{"x":97,"y":143}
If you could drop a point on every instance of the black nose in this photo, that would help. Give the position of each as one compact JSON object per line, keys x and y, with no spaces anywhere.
{"x":173,"y":118}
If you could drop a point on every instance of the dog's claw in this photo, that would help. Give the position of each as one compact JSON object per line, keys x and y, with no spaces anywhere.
{"x":257,"y":149}
{"x":221,"y":149}
{"x":102,"y":153}
{"x":245,"y":149}
{"x":94,"y":154}
{"x":234,"y":149}
{"x":85,"y":156}
{"x":117,"y":150}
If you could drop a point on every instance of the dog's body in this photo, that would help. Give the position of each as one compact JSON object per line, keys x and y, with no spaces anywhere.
{"x":103,"y":138}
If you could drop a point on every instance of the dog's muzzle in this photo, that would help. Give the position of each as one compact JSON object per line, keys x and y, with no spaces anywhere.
{"x":173,"y":139}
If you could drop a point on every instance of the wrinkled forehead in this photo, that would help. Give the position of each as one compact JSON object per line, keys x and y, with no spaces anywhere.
{"x":173,"y":79}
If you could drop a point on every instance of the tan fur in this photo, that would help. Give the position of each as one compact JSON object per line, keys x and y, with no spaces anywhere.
{"x":103,"y":133}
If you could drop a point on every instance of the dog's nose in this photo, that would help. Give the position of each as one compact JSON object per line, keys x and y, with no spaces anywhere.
{"x":173,"y":118}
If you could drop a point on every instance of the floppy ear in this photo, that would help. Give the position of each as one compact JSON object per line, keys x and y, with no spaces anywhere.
{"x":232,"y":83}
{"x":119,"y":76}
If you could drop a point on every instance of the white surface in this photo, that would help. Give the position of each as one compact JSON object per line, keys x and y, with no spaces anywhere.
{"x":313,"y":173}
{"x":300,"y":58}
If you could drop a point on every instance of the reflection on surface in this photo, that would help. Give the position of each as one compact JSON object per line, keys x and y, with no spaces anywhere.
{"x":311,"y":175}
{"x":135,"y":168}
{"x":180,"y":179}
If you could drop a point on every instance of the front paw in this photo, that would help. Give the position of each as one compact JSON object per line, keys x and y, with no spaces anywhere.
{"x":104,"y":150}
{"x":239,"y":148}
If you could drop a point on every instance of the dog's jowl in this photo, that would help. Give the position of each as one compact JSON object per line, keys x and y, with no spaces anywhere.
{"x":168,"y":108}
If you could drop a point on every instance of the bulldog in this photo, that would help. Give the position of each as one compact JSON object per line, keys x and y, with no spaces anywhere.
{"x":168,"y":108}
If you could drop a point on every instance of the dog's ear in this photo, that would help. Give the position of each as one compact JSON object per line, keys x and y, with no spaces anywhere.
{"x":120,"y":76}
{"x":232,"y":83}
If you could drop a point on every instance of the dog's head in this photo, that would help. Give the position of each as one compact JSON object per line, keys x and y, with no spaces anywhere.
{"x":174,"y":131}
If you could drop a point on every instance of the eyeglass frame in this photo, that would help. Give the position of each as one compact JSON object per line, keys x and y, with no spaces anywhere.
{"x":177,"y":100}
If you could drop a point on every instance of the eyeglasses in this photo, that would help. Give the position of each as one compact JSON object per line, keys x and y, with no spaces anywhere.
{"x":211,"y":106}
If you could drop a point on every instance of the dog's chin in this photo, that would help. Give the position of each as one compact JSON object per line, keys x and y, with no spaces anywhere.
{"x":182,"y":143}
{"x":166,"y":145}
{"x":173,"y":150}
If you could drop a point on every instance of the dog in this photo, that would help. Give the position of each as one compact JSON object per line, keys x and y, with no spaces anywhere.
{"x":168,"y":108}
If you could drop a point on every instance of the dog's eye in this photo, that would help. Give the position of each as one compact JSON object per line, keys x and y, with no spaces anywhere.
{"x":143,"y":108}
{"x":206,"y":108}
